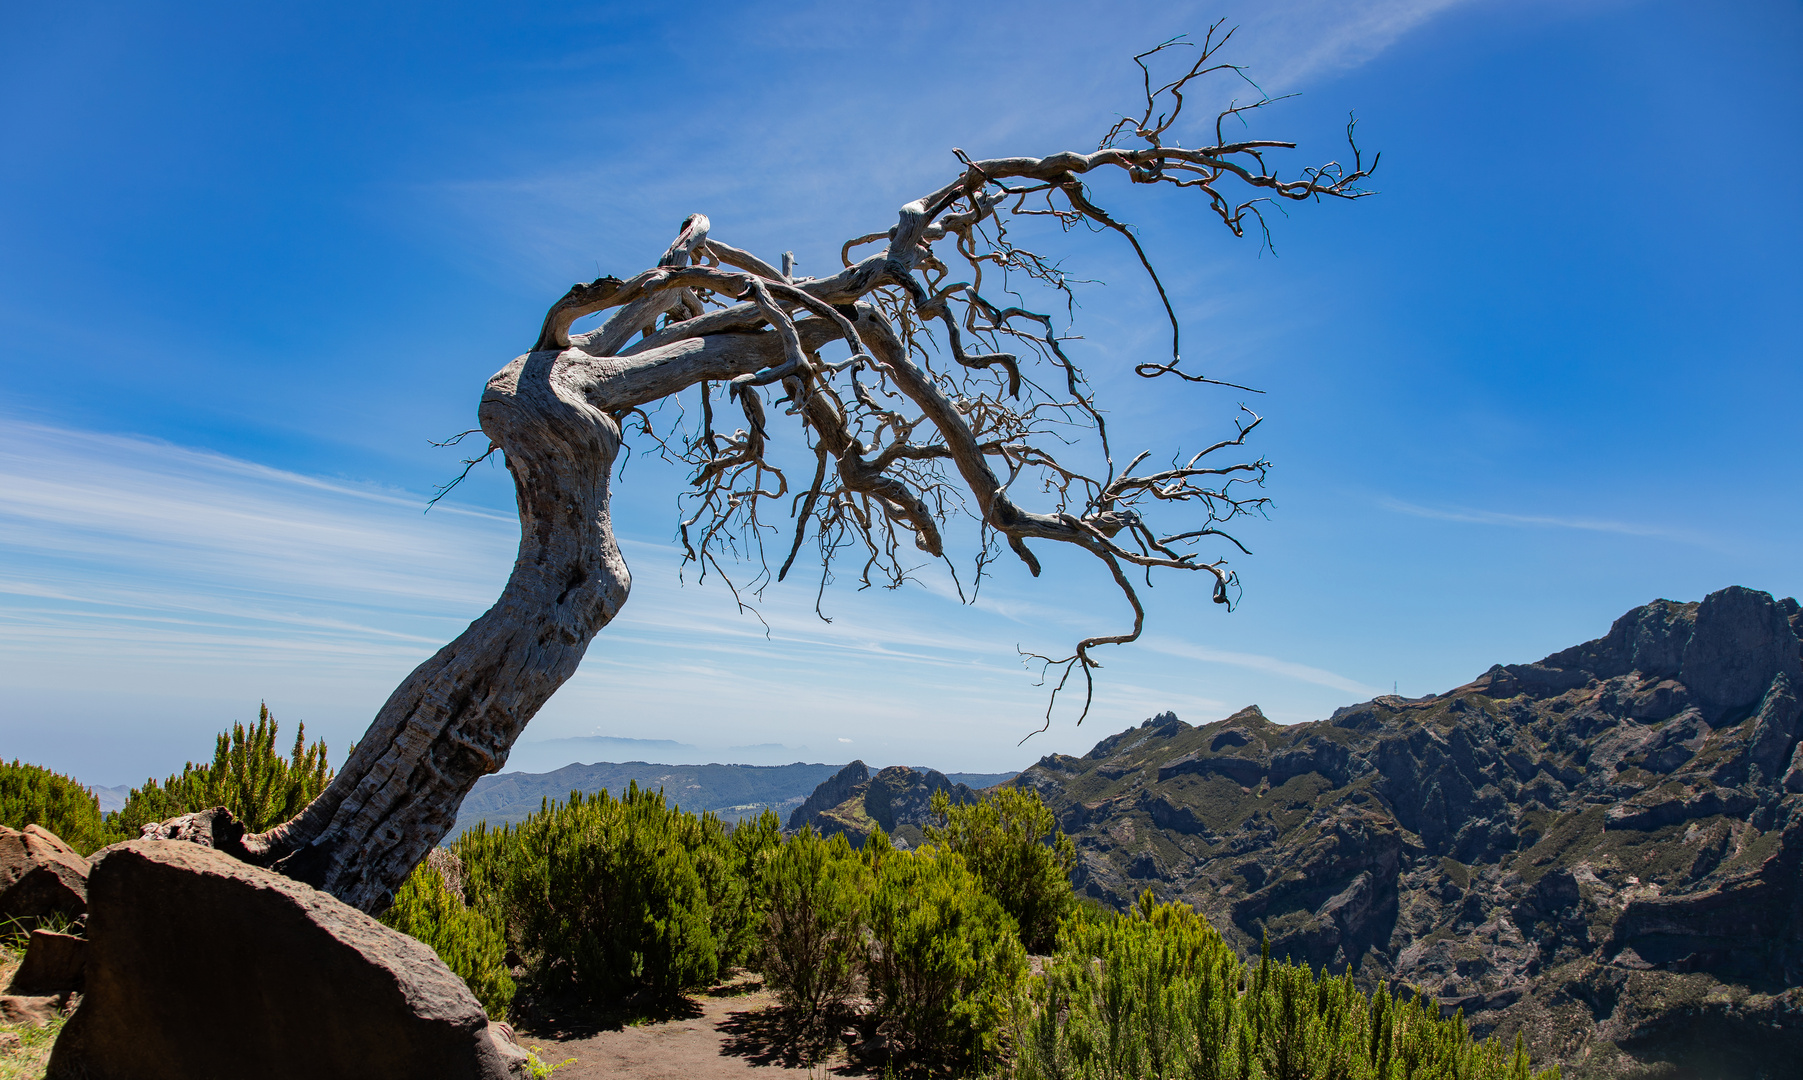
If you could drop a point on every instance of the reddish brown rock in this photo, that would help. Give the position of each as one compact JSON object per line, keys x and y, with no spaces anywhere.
{"x":53,"y":964}
{"x":39,"y":874}
{"x":201,"y":965}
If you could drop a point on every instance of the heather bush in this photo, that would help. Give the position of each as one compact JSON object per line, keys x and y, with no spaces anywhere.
{"x":471,"y":941}
{"x":946,"y":963}
{"x":247,"y":776}
{"x":33,"y":795}
{"x":813,"y":928}
{"x":605,"y":898}
{"x":1011,"y":842}
{"x":1157,"y":993}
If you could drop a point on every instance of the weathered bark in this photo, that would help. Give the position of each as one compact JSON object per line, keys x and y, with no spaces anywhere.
{"x":457,"y":715}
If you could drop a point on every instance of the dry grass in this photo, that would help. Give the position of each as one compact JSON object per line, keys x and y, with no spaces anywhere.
{"x":26,"y":1059}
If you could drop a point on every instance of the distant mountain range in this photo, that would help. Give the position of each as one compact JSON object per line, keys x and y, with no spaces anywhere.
{"x":547,"y":755}
{"x":731,"y":791}
{"x":1602,"y":851}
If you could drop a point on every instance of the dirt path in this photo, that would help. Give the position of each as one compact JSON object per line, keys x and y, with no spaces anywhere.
{"x":731,"y":1035}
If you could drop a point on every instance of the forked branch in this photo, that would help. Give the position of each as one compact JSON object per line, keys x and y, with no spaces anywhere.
{"x":948,"y":400}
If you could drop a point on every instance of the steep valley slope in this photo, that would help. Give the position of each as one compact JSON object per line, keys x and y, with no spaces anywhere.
{"x":1602,"y":851}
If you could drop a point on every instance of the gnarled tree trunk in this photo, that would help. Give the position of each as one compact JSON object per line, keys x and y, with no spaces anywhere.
{"x":455,"y":717}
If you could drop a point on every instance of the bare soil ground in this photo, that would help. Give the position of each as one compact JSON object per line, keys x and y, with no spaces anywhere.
{"x":731,"y":1032}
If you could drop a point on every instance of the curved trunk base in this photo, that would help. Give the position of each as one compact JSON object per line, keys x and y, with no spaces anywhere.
{"x":454,"y":719}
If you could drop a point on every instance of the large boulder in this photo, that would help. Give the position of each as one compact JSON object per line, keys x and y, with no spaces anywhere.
{"x":199,"y":964}
{"x":39,"y":875}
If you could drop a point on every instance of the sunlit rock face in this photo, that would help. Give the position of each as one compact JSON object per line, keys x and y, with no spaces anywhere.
{"x":1602,"y":850}
{"x":897,"y":800}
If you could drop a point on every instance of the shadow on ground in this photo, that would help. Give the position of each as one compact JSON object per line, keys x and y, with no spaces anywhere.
{"x":574,"y":1018}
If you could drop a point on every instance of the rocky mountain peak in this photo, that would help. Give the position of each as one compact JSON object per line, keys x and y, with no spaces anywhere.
{"x":897,"y":800}
{"x":1725,"y":651}
{"x":1597,"y":843}
{"x":831,"y":792}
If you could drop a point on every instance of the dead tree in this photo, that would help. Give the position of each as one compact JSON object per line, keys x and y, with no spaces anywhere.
{"x":949,"y":399}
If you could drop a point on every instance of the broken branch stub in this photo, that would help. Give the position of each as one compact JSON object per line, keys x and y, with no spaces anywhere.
{"x":952,"y":401}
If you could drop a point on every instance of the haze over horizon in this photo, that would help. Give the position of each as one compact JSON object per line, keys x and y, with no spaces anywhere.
{"x":254,"y":259}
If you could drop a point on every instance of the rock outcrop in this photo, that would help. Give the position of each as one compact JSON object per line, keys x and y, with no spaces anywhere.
{"x":199,"y":964}
{"x":897,"y":800}
{"x":832,"y":791}
{"x":40,"y":875}
{"x":1602,"y":850}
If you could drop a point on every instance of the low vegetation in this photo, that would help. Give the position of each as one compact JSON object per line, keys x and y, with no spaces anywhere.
{"x":33,"y":795}
{"x":628,"y":903}
{"x":1158,"y":993}
{"x":247,"y":775}
{"x":24,"y":1048}
{"x":625,"y":904}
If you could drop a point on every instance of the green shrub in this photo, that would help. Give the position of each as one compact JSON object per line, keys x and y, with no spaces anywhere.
{"x":946,"y":961}
{"x":739,"y":913}
{"x":484,"y":855}
{"x":606,"y":898}
{"x":813,"y":927}
{"x":471,"y":942}
{"x":725,"y":861}
{"x":1157,"y":993}
{"x":248,"y":777}
{"x":1011,"y":841}
{"x":33,"y":795}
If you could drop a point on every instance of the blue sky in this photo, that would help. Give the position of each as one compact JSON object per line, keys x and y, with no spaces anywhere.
{"x":253,"y":258}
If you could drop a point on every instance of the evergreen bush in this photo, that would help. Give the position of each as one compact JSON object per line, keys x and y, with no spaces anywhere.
{"x":33,"y":795}
{"x":1011,"y":841}
{"x":946,"y":963}
{"x":248,"y":776}
{"x":1157,"y":993}
{"x":739,"y":914}
{"x":472,"y":942}
{"x":606,"y":898}
{"x":813,"y":928}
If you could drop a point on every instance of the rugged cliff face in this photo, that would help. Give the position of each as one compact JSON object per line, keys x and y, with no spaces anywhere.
{"x":897,"y":800}
{"x":1602,"y":850}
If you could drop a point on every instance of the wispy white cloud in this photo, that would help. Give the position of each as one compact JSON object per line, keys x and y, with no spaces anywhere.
{"x":1270,"y":665}
{"x":1545,"y":521}
{"x":806,"y":162}
{"x":136,"y":570}
{"x":133,"y":567}
{"x":1292,"y":44}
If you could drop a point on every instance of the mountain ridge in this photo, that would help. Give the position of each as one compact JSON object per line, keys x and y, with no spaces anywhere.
{"x":1601,"y":850}
{"x":733,"y":791}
